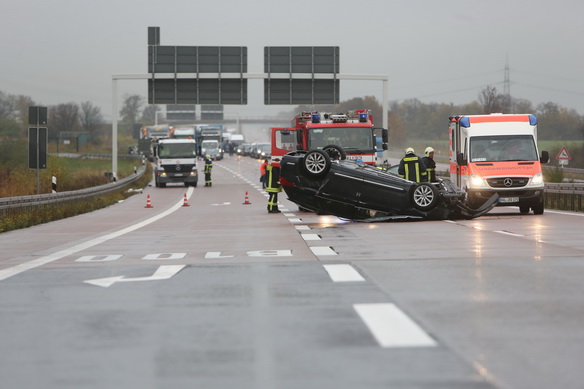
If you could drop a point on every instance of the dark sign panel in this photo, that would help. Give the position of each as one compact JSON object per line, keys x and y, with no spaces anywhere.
{"x":298,"y":91}
{"x":197,"y":91}
{"x":301,"y":60}
{"x":197,"y":60}
{"x":37,"y":147}
{"x":181,"y":112}
{"x":318,"y":59}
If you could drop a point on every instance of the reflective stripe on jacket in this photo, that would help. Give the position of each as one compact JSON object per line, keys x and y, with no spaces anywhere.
{"x":411,"y":168}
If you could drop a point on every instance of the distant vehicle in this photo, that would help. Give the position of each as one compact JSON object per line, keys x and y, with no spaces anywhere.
{"x":176,"y":162}
{"x":212,"y":149}
{"x":498,"y":153}
{"x":325,"y":182}
{"x":263,"y":150}
{"x":184,"y":133}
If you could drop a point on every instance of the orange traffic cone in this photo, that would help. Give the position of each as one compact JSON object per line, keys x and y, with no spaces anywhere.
{"x":148,"y":203}
{"x":246,"y":202}
{"x":186,"y":203}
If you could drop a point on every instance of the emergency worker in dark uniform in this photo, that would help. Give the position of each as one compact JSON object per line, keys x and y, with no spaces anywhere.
{"x":411,"y":167}
{"x":430,"y":164}
{"x":273,"y":187}
{"x":208,"y":168}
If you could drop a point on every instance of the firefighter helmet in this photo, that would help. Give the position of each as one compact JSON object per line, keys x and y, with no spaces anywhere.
{"x":410,"y":150}
{"x":428,"y":151}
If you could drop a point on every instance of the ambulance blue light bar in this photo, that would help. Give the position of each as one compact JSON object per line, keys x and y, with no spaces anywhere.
{"x":533,"y":120}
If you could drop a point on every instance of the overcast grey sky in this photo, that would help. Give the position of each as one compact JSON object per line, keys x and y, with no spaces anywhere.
{"x":60,"y":51}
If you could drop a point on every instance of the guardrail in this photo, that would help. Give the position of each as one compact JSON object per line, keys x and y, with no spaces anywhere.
{"x":565,"y":196}
{"x":22,"y":203}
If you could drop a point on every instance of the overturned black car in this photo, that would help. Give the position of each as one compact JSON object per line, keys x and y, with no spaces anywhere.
{"x":325,"y":182}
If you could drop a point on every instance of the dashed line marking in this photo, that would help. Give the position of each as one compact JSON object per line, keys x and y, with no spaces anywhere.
{"x":303,"y":228}
{"x":322,"y":250}
{"x":508,"y":233}
{"x":310,"y":236}
{"x":343,"y":273}
{"x":293,"y":220}
{"x":391,"y":327}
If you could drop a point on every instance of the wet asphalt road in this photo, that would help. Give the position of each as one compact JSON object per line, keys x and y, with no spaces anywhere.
{"x":220,"y":294}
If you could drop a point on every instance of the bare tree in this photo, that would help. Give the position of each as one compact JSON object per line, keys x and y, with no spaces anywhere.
{"x":91,"y":118}
{"x":6,"y":106}
{"x":491,"y":100}
{"x":131,"y":109}
{"x":64,"y":117}
{"x":149,"y":113}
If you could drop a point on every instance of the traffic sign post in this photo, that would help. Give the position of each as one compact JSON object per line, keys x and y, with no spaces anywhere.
{"x":563,"y":157}
{"x":37,"y":141}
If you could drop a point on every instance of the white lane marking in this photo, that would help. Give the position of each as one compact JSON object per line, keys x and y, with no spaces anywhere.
{"x":507,"y":233}
{"x":343,"y":273}
{"x":12,"y":271}
{"x":310,"y":236}
{"x":391,"y":327}
{"x":164,"y":256}
{"x":162,"y":273}
{"x":295,"y":220}
{"x":289,"y":214}
{"x":565,"y":213}
{"x":322,"y":250}
{"x":302,"y":228}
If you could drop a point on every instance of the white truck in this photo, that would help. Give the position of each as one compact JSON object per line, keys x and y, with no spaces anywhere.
{"x":498,"y":153}
{"x":176,"y":162}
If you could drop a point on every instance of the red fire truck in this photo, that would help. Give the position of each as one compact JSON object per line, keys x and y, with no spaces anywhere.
{"x":353,"y":131}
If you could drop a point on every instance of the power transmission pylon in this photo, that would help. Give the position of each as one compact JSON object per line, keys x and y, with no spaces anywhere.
{"x":507,"y":87}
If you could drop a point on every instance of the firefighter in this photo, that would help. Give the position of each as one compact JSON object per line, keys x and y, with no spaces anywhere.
{"x":411,"y":167}
{"x":273,"y":187}
{"x":430,"y":164}
{"x":208,"y":168}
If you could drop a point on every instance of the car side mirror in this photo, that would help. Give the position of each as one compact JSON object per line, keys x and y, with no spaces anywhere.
{"x":385,"y":135}
{"x":299,"y":140}
{"x":460,"y":160}
{"x":545,"y":157}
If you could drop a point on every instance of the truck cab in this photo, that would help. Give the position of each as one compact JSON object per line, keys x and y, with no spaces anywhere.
{"x":175,"y":162}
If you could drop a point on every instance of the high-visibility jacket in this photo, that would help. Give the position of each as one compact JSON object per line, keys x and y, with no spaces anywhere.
{"x":273,"y":179}
{"x":208,"y":166}
{"x":263,"y":168}
{"x":430,"y":169}
{"x":412,"y":168}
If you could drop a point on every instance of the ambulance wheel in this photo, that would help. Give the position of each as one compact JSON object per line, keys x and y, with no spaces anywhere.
{"x":424,"y":197}
{"x":316,"y":163}
{"x":335,"y":152}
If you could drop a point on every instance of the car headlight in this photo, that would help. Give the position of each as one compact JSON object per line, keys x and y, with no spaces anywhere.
{"x":537,"y":180}
{"x":477,"y":181}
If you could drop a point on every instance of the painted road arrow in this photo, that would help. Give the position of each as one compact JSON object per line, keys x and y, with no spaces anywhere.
{"x":162,"y":273}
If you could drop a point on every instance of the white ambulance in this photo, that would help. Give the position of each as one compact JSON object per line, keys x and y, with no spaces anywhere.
{"x":497,"y":153}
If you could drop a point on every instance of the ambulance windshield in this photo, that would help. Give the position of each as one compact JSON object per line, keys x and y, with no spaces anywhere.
{"x":502,"y":148}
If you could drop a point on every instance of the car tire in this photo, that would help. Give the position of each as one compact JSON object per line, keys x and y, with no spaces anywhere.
{"x":316,"y":164}
{"x":424,"y":197}
{"x":335,"y":152}
{"x":538,"y":210}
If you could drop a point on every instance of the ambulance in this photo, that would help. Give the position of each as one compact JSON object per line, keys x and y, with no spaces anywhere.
{"x":497,"y":153}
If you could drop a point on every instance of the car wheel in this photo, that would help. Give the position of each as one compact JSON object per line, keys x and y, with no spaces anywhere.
{"x":316,"y":163}
{"x":523,"y":209}
{"x":538,"y":210}
{"x":335,"y":152}
{"x":424,"y":197}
